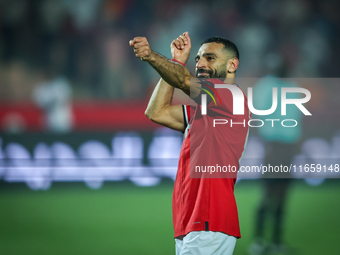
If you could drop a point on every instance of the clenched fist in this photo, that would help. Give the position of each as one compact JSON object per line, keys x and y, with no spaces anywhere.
{"x":180,"y":47}
{"x":141,"y":48}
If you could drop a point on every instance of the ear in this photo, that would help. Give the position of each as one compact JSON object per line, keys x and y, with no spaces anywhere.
{"x":232,"y":65}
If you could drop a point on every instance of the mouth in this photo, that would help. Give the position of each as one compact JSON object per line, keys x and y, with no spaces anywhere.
{"x":203,"y":74}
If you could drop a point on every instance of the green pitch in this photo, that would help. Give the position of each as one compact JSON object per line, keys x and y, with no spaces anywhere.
{"x":123,"y":219}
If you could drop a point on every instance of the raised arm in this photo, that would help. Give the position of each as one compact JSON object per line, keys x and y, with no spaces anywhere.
{"x":159,"y":108}
{"x":161,"y":111}
{"x":172,"y":72}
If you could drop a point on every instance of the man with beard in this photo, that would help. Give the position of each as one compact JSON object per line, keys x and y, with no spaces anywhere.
{"x":204,"y":208}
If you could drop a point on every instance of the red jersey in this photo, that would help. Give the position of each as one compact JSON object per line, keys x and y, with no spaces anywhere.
{"x":208,"y":203}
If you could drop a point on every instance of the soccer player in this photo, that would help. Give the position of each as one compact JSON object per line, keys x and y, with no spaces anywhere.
{"x":204,"y":208}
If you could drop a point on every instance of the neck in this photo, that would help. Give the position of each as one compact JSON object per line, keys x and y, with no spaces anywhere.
{"x":230,"y":79}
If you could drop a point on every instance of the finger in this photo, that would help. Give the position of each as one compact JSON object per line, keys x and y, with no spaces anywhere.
{"x":181,"y":42}
{"x":188,"y":38}
{"x":140,"y":44}
{"x":140,"y":39}
{"x":137,"y":40}
{"x":140,"y":49}
{"x":177,"y":44}
{"x":141,"y":54}
{"x":184,"y":39}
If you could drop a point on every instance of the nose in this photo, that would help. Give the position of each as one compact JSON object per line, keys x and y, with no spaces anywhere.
{"x":201,"y":63}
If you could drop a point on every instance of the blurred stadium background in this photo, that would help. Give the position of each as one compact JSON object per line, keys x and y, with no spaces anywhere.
{"x":83,"y":171}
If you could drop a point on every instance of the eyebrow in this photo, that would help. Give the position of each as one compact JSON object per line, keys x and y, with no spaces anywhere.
{"x":206,"y":54}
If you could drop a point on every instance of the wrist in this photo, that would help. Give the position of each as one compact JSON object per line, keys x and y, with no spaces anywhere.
{"x":152,"y":57}
{"x":180,"y":62}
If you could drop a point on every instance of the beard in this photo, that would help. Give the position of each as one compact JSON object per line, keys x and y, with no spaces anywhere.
{"x":220,"y":73}
{"x":204,"y":73}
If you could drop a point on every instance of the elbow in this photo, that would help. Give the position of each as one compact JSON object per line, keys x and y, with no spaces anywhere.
{"x":150,"y":115}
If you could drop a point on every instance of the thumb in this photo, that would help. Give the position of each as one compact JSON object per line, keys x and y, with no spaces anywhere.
{"x":188,"y":37}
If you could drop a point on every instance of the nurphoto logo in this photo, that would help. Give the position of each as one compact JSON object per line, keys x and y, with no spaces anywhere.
{"x":238,"y":104}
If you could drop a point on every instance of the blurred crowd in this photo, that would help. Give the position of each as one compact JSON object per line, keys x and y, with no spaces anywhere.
{"x":85,"y":43}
